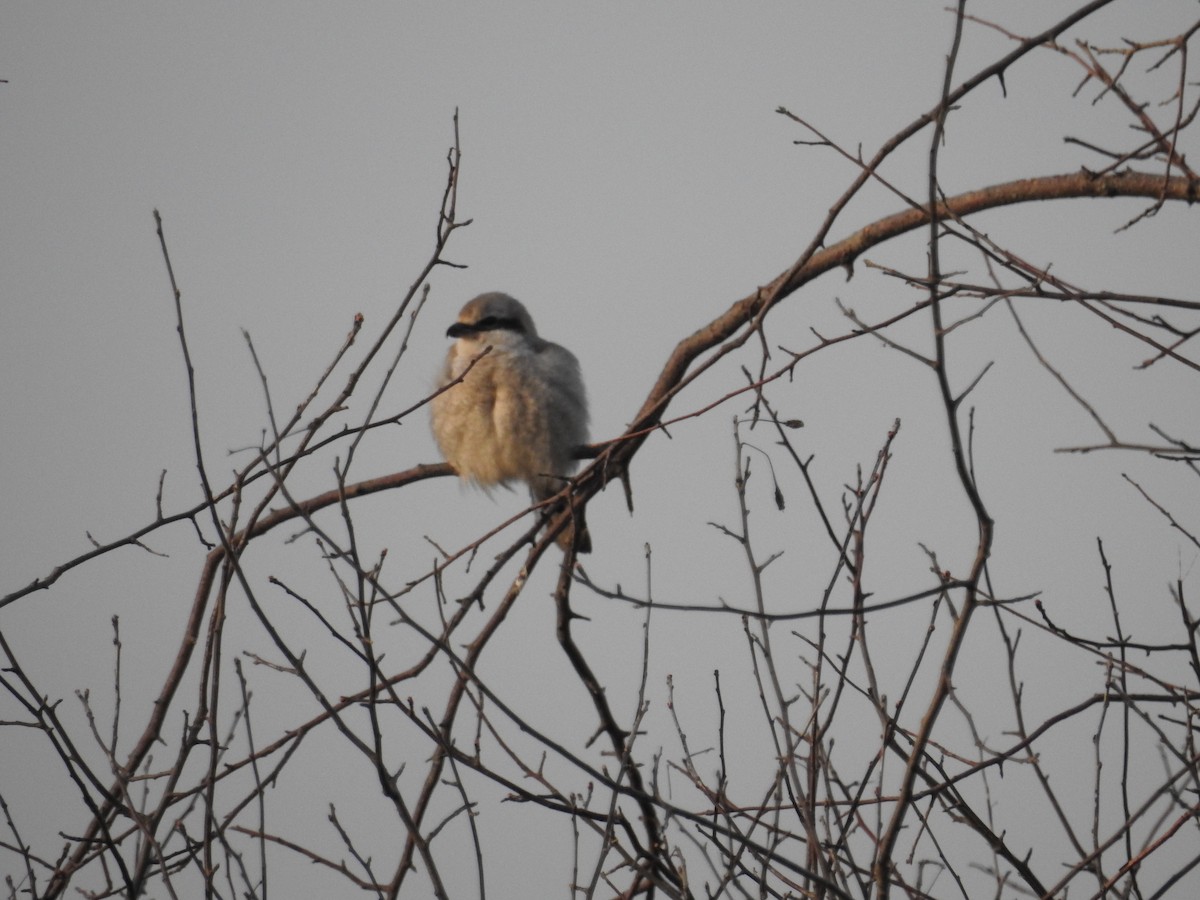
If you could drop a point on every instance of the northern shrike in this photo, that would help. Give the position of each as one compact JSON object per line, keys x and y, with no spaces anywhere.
{"x":520,"y":411}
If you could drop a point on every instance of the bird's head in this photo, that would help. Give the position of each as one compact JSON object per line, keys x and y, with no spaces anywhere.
{"x":489,"y":317}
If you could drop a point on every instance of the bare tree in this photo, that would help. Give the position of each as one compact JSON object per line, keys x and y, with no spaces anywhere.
{"x":839,"y":749}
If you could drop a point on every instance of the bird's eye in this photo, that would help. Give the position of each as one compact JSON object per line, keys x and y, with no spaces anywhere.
{"x":498,"y":323}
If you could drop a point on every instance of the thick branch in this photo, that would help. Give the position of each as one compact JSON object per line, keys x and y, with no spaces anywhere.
{"x":843,"y":254}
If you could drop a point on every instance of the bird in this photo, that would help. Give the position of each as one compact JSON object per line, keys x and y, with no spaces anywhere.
{"x":520,"y":410}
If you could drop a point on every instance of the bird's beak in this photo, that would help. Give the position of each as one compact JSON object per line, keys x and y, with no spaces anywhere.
{"x":458,"y":329}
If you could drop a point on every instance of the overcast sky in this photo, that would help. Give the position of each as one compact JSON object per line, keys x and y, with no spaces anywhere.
{"x":628,"y":177}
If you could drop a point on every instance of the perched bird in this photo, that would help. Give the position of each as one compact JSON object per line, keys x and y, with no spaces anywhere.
{"x":520,"y":411}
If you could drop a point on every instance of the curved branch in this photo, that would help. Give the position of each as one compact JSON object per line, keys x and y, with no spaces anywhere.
{"x":746,"y":311}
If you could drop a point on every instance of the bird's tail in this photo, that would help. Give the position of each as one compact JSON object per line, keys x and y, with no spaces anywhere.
{"x":575,"y":533}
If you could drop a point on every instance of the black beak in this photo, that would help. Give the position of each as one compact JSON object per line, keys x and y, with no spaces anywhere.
{"x":458,"y":329}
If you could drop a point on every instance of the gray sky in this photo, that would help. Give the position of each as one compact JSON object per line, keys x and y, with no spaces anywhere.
{"x":628,"y":178}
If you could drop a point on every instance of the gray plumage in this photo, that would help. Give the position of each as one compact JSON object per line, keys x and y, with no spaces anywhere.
{"x":520,"y":411}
